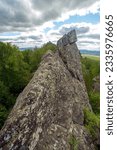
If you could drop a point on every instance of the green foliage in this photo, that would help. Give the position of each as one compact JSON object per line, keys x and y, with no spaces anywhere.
{"x":6,"y":98}
{"x":91,"y":68}
{"x":91,"y":122}
{"x":73,"y":143}
{"x":16,"y":70}
{"x":94,"y":98}
{"x":33,"y":57}
{"x":3,"y":115}
{"x":93,"y":57}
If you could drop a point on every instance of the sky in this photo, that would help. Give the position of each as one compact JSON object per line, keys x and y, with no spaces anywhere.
{"x":30,"y":23}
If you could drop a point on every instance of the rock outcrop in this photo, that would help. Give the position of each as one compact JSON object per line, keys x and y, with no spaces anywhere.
{"x":48,"y":114}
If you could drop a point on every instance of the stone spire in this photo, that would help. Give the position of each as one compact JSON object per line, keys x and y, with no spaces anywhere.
{"x":49,"y":111}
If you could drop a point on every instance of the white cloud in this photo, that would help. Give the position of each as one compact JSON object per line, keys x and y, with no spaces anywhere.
{"x":30,"y":18}
{"x":81,"y":11}
{"x":88,"y":34}
{"x":24,"y":15}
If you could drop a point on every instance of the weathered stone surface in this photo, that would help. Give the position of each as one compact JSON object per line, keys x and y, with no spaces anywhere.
{"x":50,"y":108}
{"x":72,"y":37}
{"x":65,"y":40}
{"x":69,"y":38}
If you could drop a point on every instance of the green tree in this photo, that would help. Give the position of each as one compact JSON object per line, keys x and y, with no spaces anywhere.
{"x":14,"y":72}
{"x":3,"y":115}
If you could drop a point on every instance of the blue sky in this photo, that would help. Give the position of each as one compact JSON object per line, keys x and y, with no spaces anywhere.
{"x":32,"y":23}
{"x":89,"y":18}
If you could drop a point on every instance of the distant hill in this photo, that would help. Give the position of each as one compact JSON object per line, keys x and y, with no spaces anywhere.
{"x":89,"y":52}
{"x":22,"y":49}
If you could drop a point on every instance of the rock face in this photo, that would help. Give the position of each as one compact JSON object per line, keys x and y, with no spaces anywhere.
{"x":48,"y":114}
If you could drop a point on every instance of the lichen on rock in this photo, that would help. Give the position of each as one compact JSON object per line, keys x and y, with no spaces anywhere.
{"x":50,"y":108}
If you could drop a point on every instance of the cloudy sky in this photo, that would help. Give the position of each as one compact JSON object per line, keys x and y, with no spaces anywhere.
{"x":30,"y":23}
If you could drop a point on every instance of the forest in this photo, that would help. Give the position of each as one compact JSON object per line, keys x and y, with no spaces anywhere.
{"x":17,"y":68}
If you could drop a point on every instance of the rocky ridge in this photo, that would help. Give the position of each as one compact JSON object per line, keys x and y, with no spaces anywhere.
{"x":48,"y":114}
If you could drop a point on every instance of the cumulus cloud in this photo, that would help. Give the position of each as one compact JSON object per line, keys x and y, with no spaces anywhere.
{"x":24,"y":15}
{"x":88,"y":34}
{"x":30,"y":18}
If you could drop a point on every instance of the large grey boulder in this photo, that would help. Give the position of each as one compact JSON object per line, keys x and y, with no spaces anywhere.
{"x":49,"y":111}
